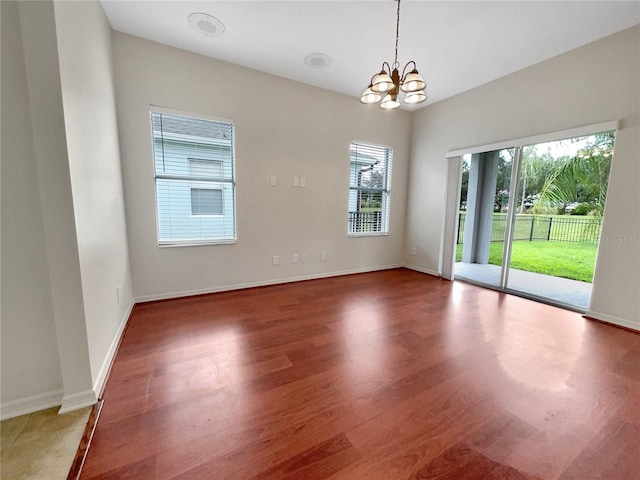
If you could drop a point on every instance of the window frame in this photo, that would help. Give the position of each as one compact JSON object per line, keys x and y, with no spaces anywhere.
{"x":385,"y":192}
{"x":195,"y":182}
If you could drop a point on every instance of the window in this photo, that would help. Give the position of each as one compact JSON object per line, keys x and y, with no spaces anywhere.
{"x":369,"y":193}
{"x":206,"y":201}
{"x":194,"y":175}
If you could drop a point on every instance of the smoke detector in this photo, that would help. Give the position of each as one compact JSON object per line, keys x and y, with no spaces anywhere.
{"x":206,"y":24}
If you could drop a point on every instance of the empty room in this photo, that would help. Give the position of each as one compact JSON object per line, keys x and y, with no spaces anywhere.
{"x":320,"y":240}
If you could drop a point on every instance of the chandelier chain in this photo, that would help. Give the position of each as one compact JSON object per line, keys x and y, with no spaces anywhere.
{"x":397,"y":33}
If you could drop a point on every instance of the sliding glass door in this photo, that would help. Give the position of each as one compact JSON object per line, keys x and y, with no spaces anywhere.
{"x":482,"y":218}
{"x":530,"y":216}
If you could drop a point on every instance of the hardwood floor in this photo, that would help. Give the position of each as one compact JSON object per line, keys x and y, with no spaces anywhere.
{"x":385,"y":375}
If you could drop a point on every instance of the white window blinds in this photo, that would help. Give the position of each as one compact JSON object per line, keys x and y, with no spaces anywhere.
{"x":194,"y":174}
{"x":369,"y":189}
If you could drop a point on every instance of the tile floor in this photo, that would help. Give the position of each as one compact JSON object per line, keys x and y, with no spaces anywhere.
{"x":560,"y":291}
{"x":41,"y":445}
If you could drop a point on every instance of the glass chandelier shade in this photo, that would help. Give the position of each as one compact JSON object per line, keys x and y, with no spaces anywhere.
{"x":413,"y":82}
{"x":415,"y":97}
{"x":389,"y":81}
{"x":369,"y":96}
{"x":390,"y":101}
{"x":382,"y":82}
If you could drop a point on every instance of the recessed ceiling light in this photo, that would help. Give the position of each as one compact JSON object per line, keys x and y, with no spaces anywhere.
{"x":206,"y":24}
{"x":317,"y":60}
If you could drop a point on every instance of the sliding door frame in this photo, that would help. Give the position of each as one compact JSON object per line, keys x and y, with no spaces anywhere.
{"x":451,"y":217}
{"x":511,"y":218}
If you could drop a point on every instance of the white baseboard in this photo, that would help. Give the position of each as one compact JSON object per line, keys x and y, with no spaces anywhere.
{"x":104,"y":370}
{"x":30,"y":404}
{"x":278,"y":281}
{"x":622,"y":322}
{"x":57,"y":398}
{"x":422,"y":270}
{"x":77,"y":401}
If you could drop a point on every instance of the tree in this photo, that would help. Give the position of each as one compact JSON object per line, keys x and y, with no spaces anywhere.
{"x":464,"y":186}
{"x":503,"y":179}
{"x":370,"y":177}
{"x":582,"y":178}
{"x":533,"y":172}
{"x":375,"y":179}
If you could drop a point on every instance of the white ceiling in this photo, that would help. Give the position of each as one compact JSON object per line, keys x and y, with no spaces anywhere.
{"x":457,"y":45}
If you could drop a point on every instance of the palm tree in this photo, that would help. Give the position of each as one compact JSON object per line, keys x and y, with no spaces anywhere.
{"x":582,"y":178}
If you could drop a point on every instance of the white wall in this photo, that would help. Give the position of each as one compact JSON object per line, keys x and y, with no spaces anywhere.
{"x":283,"y":128}
{"x":31,"y":374}
{"x":64,"y":240}
{"x":37,"y":32}
{"x":592,"y":84}
{"x":86,"y":72}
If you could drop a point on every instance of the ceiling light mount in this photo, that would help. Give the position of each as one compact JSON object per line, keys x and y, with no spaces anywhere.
{"x":206,"y":24}
{"x":389,"y":82}
{"x":317,"y":60}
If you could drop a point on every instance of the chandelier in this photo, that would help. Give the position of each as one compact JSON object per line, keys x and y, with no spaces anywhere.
{"x":387,"y":84}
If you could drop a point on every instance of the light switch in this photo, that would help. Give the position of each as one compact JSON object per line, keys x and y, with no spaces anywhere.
{"x":274,"y":180}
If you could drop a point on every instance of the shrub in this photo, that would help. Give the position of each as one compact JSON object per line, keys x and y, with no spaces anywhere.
{"x":582,"y":209}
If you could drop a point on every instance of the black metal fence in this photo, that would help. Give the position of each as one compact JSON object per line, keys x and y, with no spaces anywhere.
{"x":542,"y":227}
{"x":363,"y":222}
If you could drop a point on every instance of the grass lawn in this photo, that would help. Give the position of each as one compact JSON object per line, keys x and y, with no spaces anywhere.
{"x":559,"y":259}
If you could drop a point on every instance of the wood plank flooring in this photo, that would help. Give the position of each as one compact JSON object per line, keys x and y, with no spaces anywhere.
{"x":385,"y":375}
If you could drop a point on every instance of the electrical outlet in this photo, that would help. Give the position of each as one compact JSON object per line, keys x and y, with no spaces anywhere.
{"x":296,"y":181}
{"x":276,"y":260}
{"x":413,"y":251}
{"x":323,"y":256}
{"x":303,"y":182}
{"x":274,"y":180}
{"x":295,"y":258}
{"x":303,"y":258}
{"x":118,"y":294}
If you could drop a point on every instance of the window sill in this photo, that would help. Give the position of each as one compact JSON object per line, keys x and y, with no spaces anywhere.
{"x":368,"y":234}
{"x":195,"y":243}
